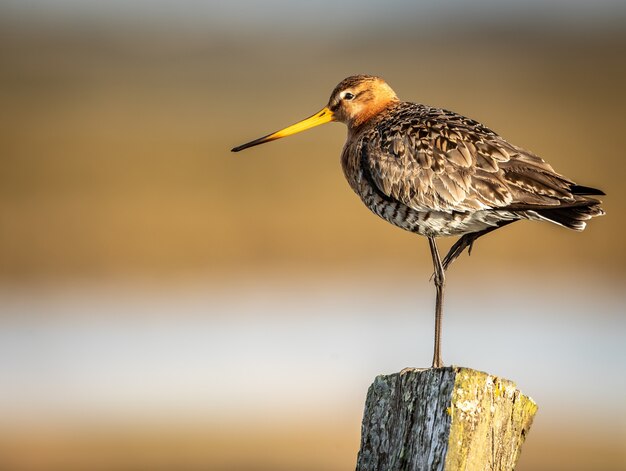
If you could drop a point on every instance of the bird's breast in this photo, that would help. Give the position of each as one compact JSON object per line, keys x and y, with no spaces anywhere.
{"x":387,"y":208}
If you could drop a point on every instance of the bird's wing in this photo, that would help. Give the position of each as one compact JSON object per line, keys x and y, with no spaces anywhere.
{"x":432,"y":159}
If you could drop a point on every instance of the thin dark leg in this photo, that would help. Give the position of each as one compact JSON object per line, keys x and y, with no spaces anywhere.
{"x":467,"y":241}
{"x":440,"y":279}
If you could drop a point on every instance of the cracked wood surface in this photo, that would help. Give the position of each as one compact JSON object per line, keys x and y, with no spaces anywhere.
{"x":443,"y":419}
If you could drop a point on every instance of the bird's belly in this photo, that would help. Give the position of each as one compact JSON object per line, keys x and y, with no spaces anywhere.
{"x":433,"y":223}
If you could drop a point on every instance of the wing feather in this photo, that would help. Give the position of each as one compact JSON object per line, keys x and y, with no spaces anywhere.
{"x":432,"y":159}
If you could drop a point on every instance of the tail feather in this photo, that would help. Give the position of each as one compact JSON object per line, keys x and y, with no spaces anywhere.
{"x":573,"y":217}
{"x":585,"y":190}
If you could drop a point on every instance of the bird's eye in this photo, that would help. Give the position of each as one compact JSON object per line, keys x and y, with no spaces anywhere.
{"x":348,"y":96}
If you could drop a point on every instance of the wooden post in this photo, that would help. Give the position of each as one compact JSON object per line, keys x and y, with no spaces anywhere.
{"x":443,"y":419}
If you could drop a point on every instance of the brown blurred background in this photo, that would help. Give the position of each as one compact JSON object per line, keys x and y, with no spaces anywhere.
{"x":169,"y":305}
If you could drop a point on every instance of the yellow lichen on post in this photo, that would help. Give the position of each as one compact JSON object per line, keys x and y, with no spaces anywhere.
{"x":490,"y":419}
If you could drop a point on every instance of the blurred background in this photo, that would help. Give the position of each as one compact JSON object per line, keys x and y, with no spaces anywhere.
{"x":166,"y":304}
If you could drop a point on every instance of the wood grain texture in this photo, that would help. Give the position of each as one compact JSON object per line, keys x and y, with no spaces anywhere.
{"x":443,"y":419}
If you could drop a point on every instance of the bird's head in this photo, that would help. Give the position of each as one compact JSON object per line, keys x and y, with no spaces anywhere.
{"x":353,"y":102}
{"x":358,"y":98}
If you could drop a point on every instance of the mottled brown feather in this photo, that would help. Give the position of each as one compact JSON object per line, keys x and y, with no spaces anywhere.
{"x":431,"y":159}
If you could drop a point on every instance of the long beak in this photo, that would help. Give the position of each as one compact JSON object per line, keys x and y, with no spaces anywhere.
{"x":321,"y":117}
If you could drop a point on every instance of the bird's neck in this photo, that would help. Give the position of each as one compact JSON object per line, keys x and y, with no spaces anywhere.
{"x":371,"y":113}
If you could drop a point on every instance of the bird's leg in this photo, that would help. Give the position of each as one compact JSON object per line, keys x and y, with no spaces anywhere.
{"x":466,"y":242}
{"x":459,"y":246}
{"x":457,"y":249}
{"x":440,"y":279}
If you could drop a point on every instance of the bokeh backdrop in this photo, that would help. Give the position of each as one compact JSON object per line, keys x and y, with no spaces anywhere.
{"x":166,"y":304}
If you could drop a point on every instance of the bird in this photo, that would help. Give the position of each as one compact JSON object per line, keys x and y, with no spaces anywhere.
{"x":437,"y":173}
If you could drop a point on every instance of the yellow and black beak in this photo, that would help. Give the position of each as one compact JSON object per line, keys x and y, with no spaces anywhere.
{"x":321,"y":117}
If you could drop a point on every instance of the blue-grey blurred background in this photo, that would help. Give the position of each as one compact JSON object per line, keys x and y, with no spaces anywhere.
{"x":166,"y":304}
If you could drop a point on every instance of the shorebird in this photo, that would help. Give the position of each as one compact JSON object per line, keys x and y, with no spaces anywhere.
{"x":436,"y":173}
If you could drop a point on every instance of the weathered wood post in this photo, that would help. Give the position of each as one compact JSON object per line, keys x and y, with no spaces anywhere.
{"x":443,"y":419}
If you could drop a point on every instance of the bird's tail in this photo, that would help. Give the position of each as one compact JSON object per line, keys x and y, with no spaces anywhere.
{"x":576,"y":215}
